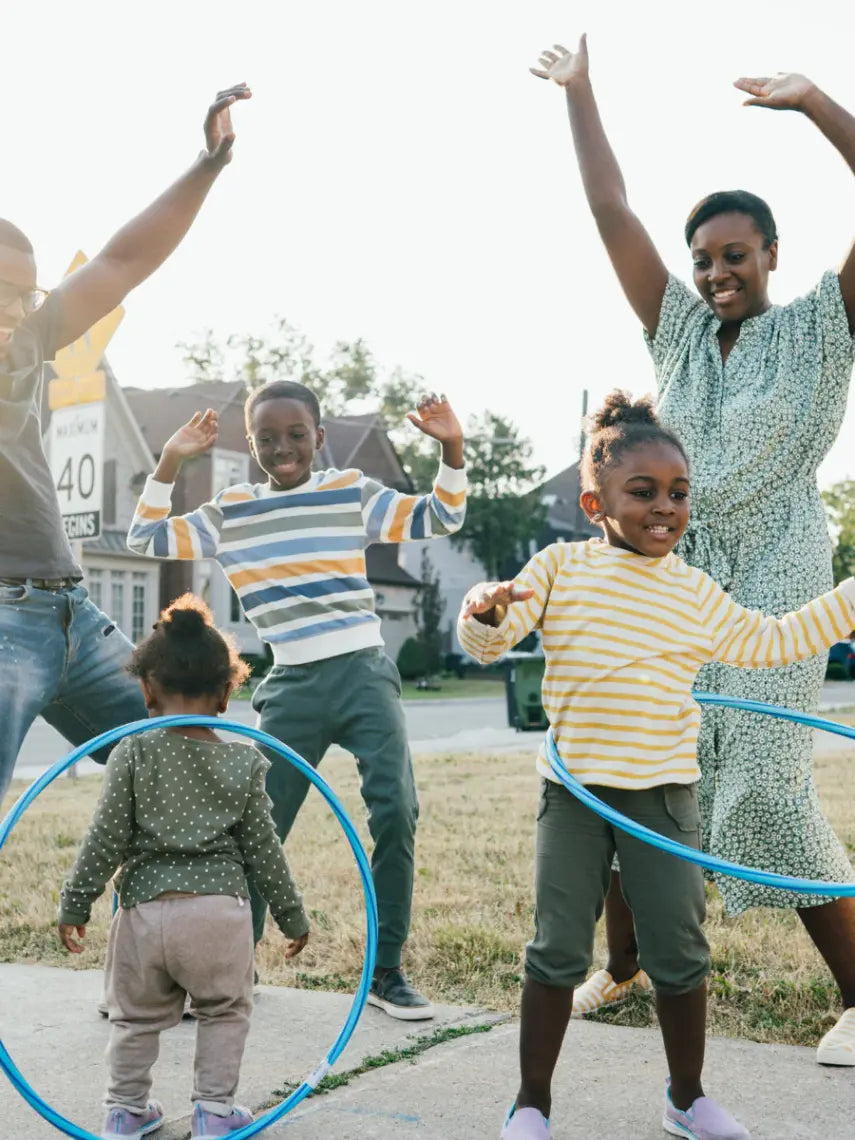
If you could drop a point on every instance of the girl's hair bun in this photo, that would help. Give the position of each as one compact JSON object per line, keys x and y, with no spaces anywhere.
{"x":619,"y":425}
{"x":187,"y":616}
{"x":620,"y":408}
{"x":187,"y":653}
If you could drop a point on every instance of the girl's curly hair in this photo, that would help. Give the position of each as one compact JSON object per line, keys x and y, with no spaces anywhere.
{"x":187,"y":654}
{"x":620,"y":425}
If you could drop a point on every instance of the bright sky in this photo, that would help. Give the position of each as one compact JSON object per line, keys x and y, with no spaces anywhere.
{"x":400,"y":176}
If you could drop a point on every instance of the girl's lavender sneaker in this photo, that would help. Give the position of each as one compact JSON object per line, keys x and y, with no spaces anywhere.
{"x":206,"y":1123}
{"x":121,"y":1124}
{"x":705,"y":1120}
{"x":525,"y":1124}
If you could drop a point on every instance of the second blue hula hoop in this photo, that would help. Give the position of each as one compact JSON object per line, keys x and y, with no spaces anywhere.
{"x":8,"y":1066}
{"x":691,"y":854}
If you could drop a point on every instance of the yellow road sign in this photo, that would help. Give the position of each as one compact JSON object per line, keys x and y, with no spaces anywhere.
{"x":80,"y":360}
{"x":89,"y":389}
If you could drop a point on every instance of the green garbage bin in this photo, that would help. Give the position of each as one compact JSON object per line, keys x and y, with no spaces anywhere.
{"x":523,"y":680}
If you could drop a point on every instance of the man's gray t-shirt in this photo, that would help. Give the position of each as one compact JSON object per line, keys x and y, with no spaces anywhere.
{"x":32,"y":538}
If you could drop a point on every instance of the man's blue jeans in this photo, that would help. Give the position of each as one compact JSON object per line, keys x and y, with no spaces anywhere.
{"x":63,"y":659}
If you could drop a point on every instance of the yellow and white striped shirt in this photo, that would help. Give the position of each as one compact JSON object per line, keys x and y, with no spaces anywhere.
{"x":624,"y":637}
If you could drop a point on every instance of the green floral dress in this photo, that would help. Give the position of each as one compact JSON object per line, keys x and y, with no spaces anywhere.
{"x":756,"y":428}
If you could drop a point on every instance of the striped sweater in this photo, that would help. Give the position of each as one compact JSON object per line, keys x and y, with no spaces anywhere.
{"x":624,"y":637}
{"x":296,"y":558}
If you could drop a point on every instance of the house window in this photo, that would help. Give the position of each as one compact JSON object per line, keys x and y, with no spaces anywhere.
{"x":117,"y":598}
{"x":138,"y":606}
{"x":236,"y":614}
{"x":94,"y":584}
{"x":228,"y":468}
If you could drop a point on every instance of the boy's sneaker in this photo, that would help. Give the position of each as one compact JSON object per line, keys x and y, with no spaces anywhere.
{"x":121,"y":1124}
{"x":705,"y":1120}
{"x":601,"y":990}
{"x":392,"y":993}
{"x":206,"y":1123}
{"x":838,"y":1045}
{"x":525,"y":1124}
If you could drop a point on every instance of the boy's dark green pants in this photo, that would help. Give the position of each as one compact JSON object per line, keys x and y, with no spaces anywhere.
{"x":353,"y":700}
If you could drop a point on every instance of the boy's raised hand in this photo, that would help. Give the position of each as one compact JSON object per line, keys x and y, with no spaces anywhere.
{"x":491,"y":600}
{"x":195,"y":437}
{"x":66,"y":937}
{"x":435,"y":418}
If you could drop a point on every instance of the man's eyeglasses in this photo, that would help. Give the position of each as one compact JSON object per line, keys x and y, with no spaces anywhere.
{"x":31,"y":299}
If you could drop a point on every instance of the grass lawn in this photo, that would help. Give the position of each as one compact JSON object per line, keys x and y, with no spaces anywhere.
{"x":473,"y":900}
{"x":452,"y":689}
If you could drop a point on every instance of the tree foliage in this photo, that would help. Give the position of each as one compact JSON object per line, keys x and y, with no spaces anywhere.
{"x":348,"y":382}
{"x":840,"y":507}
{"x":430,"y":606}
{"x":504,"y":511}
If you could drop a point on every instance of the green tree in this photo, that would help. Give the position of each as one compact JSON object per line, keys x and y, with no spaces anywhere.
{"x":840,"y":507}
{"x":430,"y":606}
{"x":284,"y":353}
{"x":503,"y":510}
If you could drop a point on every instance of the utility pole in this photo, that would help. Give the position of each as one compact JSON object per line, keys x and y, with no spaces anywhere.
{"x":580,"y":514}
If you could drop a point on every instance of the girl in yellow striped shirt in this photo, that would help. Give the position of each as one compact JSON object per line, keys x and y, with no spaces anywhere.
{"x":626,"y":625}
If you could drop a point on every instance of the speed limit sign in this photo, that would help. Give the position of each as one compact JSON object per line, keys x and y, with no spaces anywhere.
{"x":76,"y":460}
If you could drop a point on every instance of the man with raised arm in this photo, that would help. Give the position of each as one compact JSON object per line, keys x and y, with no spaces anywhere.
{"x":59,"y":655}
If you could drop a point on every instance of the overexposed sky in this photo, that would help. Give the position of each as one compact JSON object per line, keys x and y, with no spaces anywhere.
{"x":400,"y":176}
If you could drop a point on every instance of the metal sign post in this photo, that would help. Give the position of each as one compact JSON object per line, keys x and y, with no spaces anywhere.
{"x":76,"y":433}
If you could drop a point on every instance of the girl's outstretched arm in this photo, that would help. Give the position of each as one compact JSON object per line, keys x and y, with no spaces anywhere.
{"x":640,"y":269}
{"x":794,"y":92}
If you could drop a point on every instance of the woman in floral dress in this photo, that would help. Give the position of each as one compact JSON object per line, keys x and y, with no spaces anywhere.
{"x":756,"y":392}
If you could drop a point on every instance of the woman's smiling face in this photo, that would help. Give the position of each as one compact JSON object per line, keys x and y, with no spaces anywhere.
{"x":732,"y":267}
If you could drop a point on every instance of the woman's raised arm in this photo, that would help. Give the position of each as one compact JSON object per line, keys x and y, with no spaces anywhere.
{"x":636,"y":260}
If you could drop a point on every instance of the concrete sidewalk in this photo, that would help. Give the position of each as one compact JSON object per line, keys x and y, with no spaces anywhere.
{"x":609,"y":1081}
{"x":49,"y":1024}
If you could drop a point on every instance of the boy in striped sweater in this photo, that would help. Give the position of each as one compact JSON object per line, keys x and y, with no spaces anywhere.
{"x":293,"y":549}
{"x":626,"y":626}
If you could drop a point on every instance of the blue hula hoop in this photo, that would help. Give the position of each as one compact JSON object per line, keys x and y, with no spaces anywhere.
{"x":314,"y":1078}
{"x":711,"y":862}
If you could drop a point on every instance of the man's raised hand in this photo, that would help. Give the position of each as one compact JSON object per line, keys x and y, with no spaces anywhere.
{"x":219,"y":133}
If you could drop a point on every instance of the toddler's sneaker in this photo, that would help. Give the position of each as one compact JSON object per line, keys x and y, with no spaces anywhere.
{"x":838,"y":1045}
{"x":705,"y":1120}
{"x":525,"y":1124}
{"x":206,"y":1123}
{"x":601,"y":990}
{"x":121,"y":1124}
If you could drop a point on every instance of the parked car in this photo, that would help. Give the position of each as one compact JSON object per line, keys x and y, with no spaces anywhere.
{"x":841,"y":661}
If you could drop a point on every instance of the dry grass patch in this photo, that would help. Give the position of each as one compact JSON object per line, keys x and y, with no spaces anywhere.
{"x":473,"y":899}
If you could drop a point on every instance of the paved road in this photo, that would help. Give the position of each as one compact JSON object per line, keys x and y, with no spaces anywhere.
{"x":473,"y":724}
{"x":432,"y":725}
